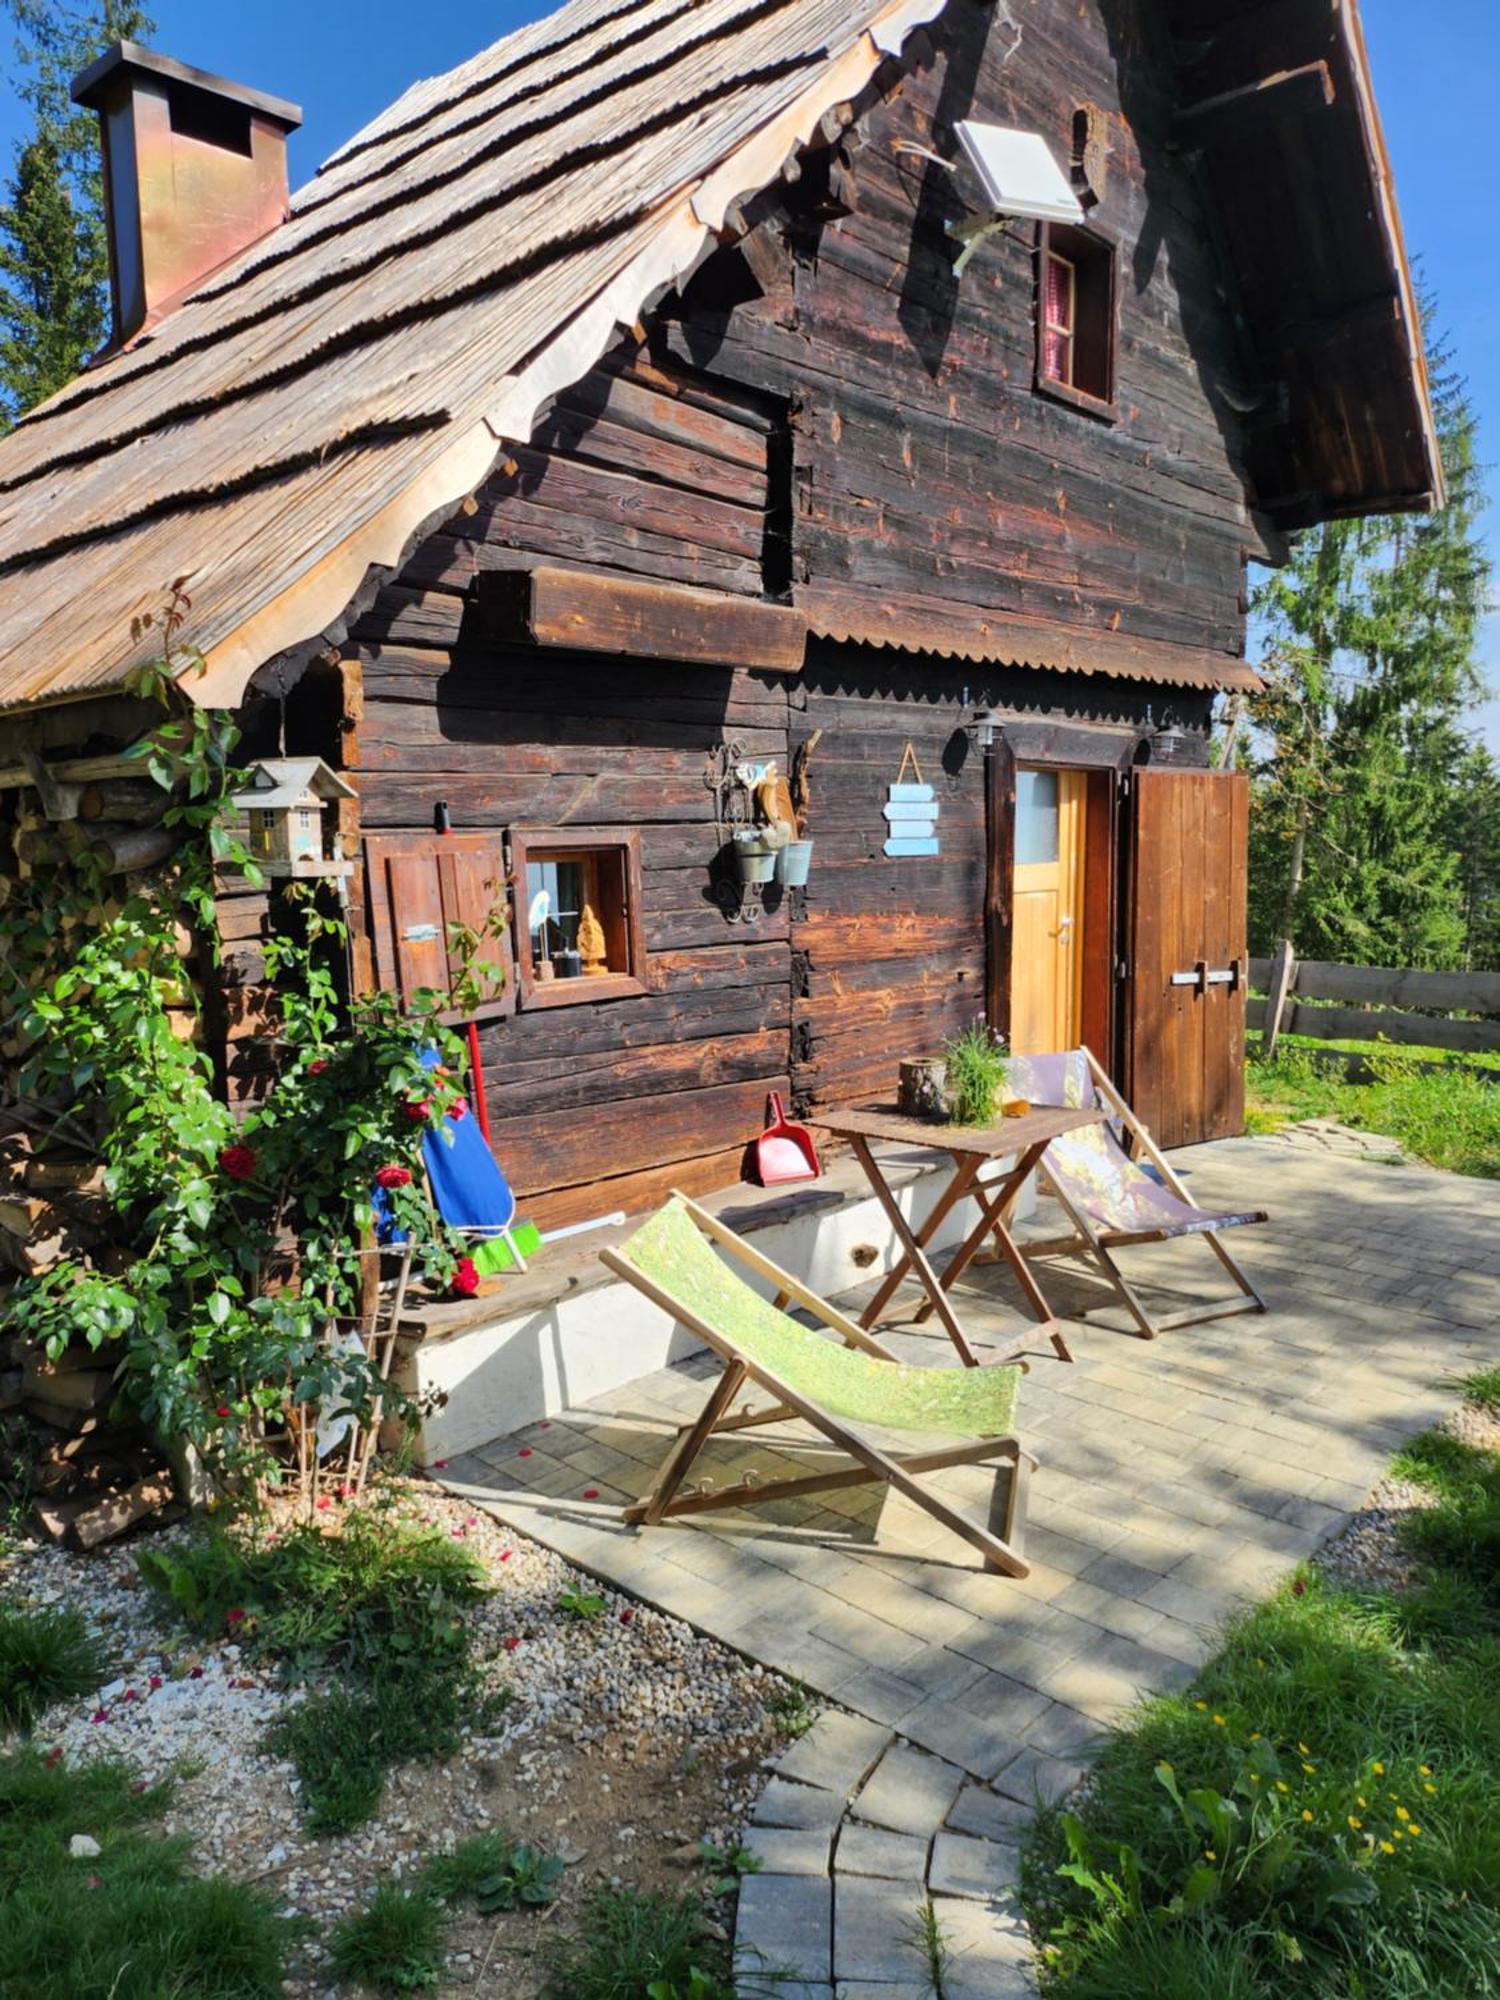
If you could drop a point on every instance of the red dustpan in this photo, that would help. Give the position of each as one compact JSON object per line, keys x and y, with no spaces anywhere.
{"x":784,"y":1151}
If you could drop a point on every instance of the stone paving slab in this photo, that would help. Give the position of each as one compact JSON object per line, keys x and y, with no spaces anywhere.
{"x":1179,"y":1479}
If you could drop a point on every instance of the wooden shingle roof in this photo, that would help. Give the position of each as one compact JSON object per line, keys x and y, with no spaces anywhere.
{"x":355,"y":374}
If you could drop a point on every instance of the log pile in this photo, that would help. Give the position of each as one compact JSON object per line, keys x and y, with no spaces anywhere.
{"x":92,"y":1471}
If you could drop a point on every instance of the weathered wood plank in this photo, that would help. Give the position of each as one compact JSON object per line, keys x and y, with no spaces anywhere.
{"x":645,"y":621}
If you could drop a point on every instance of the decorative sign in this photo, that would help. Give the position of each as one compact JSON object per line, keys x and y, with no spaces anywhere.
{"x":911,"y":811}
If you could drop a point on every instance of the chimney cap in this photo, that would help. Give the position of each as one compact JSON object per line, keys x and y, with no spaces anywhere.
{"x":90,"y":86}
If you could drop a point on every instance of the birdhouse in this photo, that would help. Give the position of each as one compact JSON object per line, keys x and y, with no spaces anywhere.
{"x":284,"y":804}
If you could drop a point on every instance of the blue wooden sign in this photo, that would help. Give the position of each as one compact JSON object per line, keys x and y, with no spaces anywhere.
{"x":911,"y":812}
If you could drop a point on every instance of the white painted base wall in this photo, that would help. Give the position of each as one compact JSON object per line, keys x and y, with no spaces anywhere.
{"x":500,"y":1377}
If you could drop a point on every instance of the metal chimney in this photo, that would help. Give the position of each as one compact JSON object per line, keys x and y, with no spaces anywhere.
{"x":194,"y":172}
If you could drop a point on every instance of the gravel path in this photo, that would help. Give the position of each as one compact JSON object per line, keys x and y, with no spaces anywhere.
{"x":627,"y":1739}
{"x":1371,"y":1553}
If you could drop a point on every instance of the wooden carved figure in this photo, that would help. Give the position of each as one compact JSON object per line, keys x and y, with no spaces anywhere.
{"x":591,"y":943}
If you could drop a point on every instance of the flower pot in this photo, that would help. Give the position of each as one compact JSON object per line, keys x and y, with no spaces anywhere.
{"x":568,"y":964}
{"x":793,"y":863}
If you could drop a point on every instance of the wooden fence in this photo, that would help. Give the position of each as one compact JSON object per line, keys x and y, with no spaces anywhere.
{"x":1374,"y":1003}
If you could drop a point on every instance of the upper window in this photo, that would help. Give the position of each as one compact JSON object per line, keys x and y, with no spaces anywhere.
{"x":1075,"y":352}
{"x":578,"y":908}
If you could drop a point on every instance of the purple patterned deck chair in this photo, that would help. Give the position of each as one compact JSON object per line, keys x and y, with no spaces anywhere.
{"x":1115,"y":1187}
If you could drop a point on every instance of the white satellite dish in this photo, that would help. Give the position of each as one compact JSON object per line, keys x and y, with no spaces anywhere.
{"x":540,"y":910}
{"x":1018,"y":172}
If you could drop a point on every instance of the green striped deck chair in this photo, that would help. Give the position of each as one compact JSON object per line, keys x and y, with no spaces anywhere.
{"x":842,"y":1390}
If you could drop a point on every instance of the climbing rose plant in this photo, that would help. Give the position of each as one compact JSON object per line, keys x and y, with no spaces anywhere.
{"x":238,"y":1259}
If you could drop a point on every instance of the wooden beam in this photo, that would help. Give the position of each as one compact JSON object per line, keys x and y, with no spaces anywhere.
{"x":592,"y":613}
{"x":1261,"y":90}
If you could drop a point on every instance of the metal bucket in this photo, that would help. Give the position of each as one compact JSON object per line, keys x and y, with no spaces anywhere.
{"x":793,"y":863}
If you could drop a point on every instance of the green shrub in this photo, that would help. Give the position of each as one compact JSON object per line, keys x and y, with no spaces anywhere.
{"x":395,"y":1943}
{"x":45,"y":1657}
{"x":131,"y":1923}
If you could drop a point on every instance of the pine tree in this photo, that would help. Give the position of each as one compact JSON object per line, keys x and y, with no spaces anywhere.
{"x":1371,"y":671}
{"x":54,"y":258}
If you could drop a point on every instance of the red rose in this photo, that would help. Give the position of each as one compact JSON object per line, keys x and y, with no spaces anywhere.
{"x":393,"y":1177}
{"x":317,"y":1068}
{"x":238,"y":1162}
{"x":234,"y":1617}
{"x":223,"y":1410}
{"x":417,"y":1112}
{"x":465,"y":1282}
{"x":591,"y":1493}
{"x":324,"y":1503}
{"x":458,"y":1109}
{"x":626,"y":1617}
{"x":524,"y":1452}
{"x":511,"y":1644}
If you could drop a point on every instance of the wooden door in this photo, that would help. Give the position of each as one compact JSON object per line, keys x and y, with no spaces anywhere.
{"x":1046,"y":982}
{"x":1186,"y":960}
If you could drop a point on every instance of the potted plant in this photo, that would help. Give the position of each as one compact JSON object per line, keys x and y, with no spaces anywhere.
{"x":976,"y":1065}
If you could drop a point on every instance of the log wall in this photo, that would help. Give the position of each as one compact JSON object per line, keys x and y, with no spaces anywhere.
{"x":823,"y":408}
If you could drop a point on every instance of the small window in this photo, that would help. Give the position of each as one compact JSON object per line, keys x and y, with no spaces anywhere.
{"x":578,"y":916}
{"x":1075,"y":360}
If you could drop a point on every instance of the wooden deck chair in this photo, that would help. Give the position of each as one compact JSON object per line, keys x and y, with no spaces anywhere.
{"x":1110,"y":1197}
{"x":839,"y":1389}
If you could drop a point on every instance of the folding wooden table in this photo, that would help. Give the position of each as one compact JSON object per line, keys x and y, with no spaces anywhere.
{"x":971,"y":1148}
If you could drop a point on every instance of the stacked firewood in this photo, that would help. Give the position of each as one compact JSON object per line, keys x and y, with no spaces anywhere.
{"x":93,"y":1472}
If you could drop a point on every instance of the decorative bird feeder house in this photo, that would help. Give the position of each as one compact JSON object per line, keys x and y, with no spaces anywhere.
{"x":284,"y":804}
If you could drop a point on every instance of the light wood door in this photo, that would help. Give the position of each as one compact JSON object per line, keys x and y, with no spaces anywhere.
{"x":1046,"y":974}
{"x":1185,"y":1013}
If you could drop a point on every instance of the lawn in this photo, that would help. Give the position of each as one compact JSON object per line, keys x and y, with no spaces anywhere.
{"x":1320,"y":1813}
{"x":1449,"y":1117}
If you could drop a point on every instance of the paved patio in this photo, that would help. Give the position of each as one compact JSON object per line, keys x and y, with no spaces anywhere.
{"x":1179,"y":1478}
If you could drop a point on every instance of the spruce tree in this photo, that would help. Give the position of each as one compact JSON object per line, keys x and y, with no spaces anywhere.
{"x":54,"y":259}
{"x":1371,"y":673}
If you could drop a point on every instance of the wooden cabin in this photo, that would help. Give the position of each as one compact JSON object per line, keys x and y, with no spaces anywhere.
{"x":663,"y":395}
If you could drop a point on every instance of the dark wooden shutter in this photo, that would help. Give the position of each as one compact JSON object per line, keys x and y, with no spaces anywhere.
{"x":1187,"y":965}
{"x":418,"y":889}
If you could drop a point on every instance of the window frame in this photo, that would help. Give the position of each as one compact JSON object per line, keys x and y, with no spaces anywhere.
{"x":1065,"y":242}
{"x":626,"y":928}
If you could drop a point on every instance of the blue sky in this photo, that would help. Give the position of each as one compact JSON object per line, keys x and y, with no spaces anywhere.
{"x":1434,"y":68}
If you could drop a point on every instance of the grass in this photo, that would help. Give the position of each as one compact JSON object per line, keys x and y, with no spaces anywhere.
{"x":633,"y":1946}
{"x":1320,"y":1813}
{"x":395,"y":1943}
{"x":930,"y":1940}
{"x":131,"y":1923}
{"x":45,"y":1657}
{"x":379,"y":1607}
{"x":1450,"y":1117}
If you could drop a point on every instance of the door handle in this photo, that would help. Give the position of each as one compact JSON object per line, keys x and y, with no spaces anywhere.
{"x":1203,"y":976}
{"x":1064,"y":928}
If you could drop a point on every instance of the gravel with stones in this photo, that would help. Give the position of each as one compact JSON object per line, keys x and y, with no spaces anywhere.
{"x":1371,"y":1553}
{"x":628,"y":1739}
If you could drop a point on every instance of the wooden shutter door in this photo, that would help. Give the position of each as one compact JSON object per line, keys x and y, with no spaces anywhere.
{"x":1187,"y":965}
